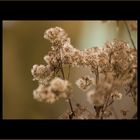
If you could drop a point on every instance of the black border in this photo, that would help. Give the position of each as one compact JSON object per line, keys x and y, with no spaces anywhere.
{"x":69,"y":11}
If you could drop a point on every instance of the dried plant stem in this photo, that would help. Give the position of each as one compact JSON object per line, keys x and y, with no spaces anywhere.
{"x":129,"y":34}
{"x":97,"y":76}
{"x":69,"y":100}
{"x":110,"y":57}
{"x":133,"y":97}
{"x":131,"y":92}
{"x":62,"y":71}
{"x":69,"y":72}
{"x":98,"y":110}
{"x":105,"y":106}
{"x":110,"y":103}
{"x":72,"y":111}
{"x":127,"y":92}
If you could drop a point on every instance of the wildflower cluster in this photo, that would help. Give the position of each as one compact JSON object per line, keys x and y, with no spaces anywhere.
{"x":57,"y":88}
{"x":51,"y":87}
{"x":112,"y":66}
{"x":84,"y":83}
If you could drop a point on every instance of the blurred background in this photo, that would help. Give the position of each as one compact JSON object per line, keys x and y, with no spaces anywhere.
{"x":24,"y":46}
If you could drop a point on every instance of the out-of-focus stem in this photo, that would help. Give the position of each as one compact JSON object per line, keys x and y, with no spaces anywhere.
{"x":133,"y":96}
{"x":129,"y":34}
{"x":97,"y":76}
{"x":69,"y":100}
{"x":69,"y":72}
{"x":105,"y":107}
{"x":70,"y":104}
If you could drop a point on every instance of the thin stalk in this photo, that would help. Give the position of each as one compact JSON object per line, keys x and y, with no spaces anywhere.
{"x":110,"y":103}
{"x":133,"y":97}
{"x":71,"y":106}
{"x":97,"y":109}
{"x":69,"y":72}
{"x":61,"y":68}
{"x":69,"y":101}
{"x":110,"y":57}
{"x":97,"y":76}
{"x":129,"y":34}
{"x":105,"y":106}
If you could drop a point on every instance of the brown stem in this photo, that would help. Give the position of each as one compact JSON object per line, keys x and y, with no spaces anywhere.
{"x":97,"y":76}
{"x":69,"y":72}
{"x":110,"y":57}
{"x":70,"y":104}
{"x":71,"y":107}
{"x":133,"y":96}
{"x":131,"y":92}
{"x":105,"y":106}
{"x":129,"y":34}
{"x":110,"y":103}
{"x":62,"y":71}
{"x":98,"y":110}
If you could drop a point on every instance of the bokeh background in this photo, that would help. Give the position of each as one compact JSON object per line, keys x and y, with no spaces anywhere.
{"x":24,"y":46}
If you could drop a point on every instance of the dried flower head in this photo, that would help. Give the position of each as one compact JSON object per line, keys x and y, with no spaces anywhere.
{"x":40,"y":71}
{"x":95,"y":99}
{"x":57,"y":36}
{"x":84,"y":83}
{"x":57,"y":89}
{"x":90,"y":58}
{"x":44,"y":94}
{"x":116,"y":95}
{"x":60,"y":87}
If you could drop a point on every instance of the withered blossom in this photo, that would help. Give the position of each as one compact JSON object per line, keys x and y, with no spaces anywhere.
{"x":40,"y":71}
{"x":91,"y":58}
{"x":84,"y":83}
{"x":113,"y":67}
{"x":95,"y":99}
{"x":57,"y":89}
{"x":116,"y":95}
{"x":98,"y":96}
{"x":57,"y":36}
{"x":44,"y":94}
{"x":60,"y":87}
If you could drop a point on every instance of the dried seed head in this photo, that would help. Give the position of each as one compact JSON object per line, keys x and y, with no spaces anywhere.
{"x":44,"y":94}
{"x":84,"y":83}
{"x":116,"y":95}
{"x":57,"y":36}
{"x":95,"y":99}
{"x":60,"y":87}
{"x":40,"y":71}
